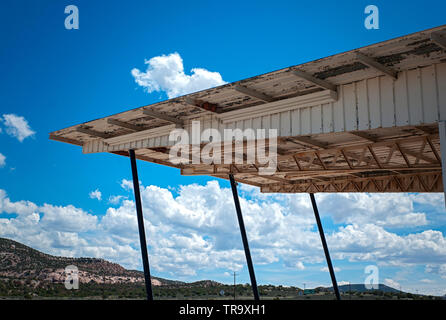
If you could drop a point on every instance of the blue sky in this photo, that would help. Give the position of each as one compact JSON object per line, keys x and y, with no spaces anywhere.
{"x":52,"y":78}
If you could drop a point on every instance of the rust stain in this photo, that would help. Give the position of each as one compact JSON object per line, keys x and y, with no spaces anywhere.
{"x":333,"y":72}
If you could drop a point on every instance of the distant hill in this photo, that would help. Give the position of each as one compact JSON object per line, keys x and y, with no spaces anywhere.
{"x":26,"y":273}
{"x":18,"y":261}
{"x":22,"y":262}
{"x":361,"y":288}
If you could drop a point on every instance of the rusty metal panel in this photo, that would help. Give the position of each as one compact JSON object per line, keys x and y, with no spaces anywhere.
{"x":362,"y":105}
{"x":373,"y":93}
{"x":285,"y":123}
{"x":305,"y":115}
{"x":429,"y":93}
{"x":338,"y":111}
{"x":316,"y":119}
{"x":349,"y":99}
{"x":401,"y":100}
{"x":327,"y":117}
{"x":415,"y":97}
{"x":257,"y":123}
{"x":441,"y":89}
{"x":387,"y":101}
{"x":295,"y":122}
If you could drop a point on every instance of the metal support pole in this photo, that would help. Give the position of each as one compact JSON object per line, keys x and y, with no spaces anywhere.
{"x":244,"y":238}
{"x":324,"y":244}
{"x":142,"y":233}
{"x":442,"y":134}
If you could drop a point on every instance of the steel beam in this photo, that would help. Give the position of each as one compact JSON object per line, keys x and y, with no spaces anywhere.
{"x":372,"y":63}
{"x":411,"y":182}
{"x":324,"y":244}
{"x":142,"y":233}
{"x":124,"y":124}
{"x":67,"y":140}
{"x":244,"y":238}
{"x":178,"y":122}
{"x":439,"y":39}
{"x":442,"y":133}
{"x":316,"y":81}
{"x":203,"y":105}
{"x":254,"y":93}
{"x":93,"y":133}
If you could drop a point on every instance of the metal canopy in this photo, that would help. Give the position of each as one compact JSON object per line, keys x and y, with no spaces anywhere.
{"x":360,"y":121}
{"x":366,"y":120}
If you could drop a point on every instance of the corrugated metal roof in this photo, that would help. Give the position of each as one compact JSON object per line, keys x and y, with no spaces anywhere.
{"x":403,"y":53}
{"x":360,"y":121}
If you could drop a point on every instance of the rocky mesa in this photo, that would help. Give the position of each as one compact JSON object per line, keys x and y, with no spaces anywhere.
{"x":21,"y":262}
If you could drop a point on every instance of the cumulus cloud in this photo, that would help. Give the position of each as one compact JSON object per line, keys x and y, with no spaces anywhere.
{"x":116,"y":199}
{"x":67,"y":219}
{"x":17,"y":126}
{"x":127,"y":184}
{"x":121,"y":221}
{"x":2,"y":160}
{"x":198,"y":228}
{"x":433,"y":199}
{"x":166,"y":73}
{"x":373,"y":243}
{"x":427,"y":281}
{"x":439,"y":269}
{"x":56,"y":230}
{"x":194,"y":229}
{"x":336,"y":269}
{"x":392,"y":210}
{"x":392,"y":283}
{"x":96,"y":194}
{"x":19,"y":207}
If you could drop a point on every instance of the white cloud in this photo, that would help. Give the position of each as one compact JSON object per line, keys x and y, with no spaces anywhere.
{"x":434,"y":199}
{"x":392,"y":283}
{"x":96,"y":194}
{"x":373,"y":243}
{"x":68,"y":240}
{"x":121,"y":221}
{"x":392,"y":210}
{"x":325,"y":269}
{"x":439,"y":269}
{"x":17,"y":126}
{"x":116,"y":199}
{"x":67,"y":219}
{"x":427,"y":281}
{"x":201,"y":217}
{"x":19,"y":207}
{"x":127,"y":184}
{"x":2,"y":160}
{"x":53,"y":229}
{"x":166,"y":73}
{"x":194,"y":229}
